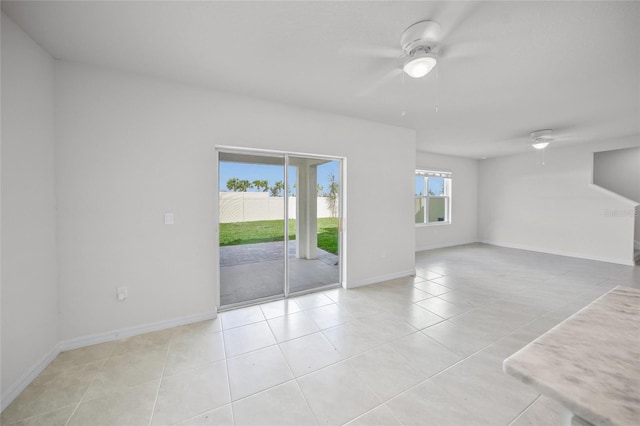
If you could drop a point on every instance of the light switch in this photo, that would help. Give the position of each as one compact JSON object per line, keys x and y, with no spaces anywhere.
{"x":123,"y":293}
{"x":168,"y":218}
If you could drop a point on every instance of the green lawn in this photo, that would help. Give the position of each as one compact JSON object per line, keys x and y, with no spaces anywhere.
{"x":262,"y":231}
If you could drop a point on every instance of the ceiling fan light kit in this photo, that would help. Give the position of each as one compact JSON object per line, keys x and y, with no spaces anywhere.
{"x":540,"y":145}
{"x":420,"y":64}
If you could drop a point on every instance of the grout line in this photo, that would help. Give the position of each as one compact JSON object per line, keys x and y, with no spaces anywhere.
{"x":88,"y":387}
{"x":164,"y":367}
{"x":280,"y":349}
{"x":33,"y":416}
{"x":233,"y":411}
{"x":306,"y":401}
{"x":226,"y":366}
{"x":375,"y":408}
{"x":523,"y":411}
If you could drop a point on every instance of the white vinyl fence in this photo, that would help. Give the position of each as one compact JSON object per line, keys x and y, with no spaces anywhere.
{"x":250,"y":206}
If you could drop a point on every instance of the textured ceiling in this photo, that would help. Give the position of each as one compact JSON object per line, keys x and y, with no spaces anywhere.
{"x":507,"y":68}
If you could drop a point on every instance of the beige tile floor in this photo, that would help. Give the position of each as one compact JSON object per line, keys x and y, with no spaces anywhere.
{"x":414,"y":351}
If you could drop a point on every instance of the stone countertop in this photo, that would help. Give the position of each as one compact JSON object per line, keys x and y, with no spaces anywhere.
{"x":591,"y":361}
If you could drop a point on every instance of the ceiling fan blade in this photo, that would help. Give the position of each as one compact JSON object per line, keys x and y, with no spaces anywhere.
{"x":454,"y":15}
{"x":463,"y":50}
{"x":369,"y":50}
{"x":390,"y":75}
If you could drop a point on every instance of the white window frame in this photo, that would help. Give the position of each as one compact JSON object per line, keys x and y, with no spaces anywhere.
{"x":448,"y":178}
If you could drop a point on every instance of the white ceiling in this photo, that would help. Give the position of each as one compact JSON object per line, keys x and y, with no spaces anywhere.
{"x":508,"y":68}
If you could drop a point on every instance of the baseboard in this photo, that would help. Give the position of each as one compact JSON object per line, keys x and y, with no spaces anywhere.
{"x":450,"y":244}
{"x":80,"y":342}
{"x":22,"y":383}
{"x":379,"y":278}
{"x":121,"y":333}
{"x":559,"y":252}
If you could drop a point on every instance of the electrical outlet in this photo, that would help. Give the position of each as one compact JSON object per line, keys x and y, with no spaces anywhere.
{"x":123,"y":293}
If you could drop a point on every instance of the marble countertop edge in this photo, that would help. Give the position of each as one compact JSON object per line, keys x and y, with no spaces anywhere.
{"x":550,"y":391}
{"x":538,"y":363}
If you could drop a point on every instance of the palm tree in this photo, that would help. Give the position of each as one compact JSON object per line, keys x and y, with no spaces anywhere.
{"x":243,"y":185}
{"x":237,"y":185}
{"x":276,"y":188}
{"x":232,"y":184}
{"x":261,"y":184}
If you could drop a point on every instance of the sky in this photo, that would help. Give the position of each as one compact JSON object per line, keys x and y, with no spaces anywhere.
{"x":271,"y":173}
{"x":436,"y":185}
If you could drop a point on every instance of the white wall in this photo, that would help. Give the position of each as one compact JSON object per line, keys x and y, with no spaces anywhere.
{"x":131,"y":148}
{"x":554,"y":208}
{"x":464,"y":209}
{"x":29,"y":289}
{"x":619,"y":171}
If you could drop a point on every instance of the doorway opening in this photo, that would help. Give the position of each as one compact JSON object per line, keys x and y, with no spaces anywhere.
{"x":263,"y":197}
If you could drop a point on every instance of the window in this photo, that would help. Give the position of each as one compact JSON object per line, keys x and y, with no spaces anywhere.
{"x":433,"y":197}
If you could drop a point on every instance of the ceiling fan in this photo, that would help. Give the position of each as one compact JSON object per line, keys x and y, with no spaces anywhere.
{"x":540,"y":139}
{"x":417,"y":56}
{"x":421,"y":47}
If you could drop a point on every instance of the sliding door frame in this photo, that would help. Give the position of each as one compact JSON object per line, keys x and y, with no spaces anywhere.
{"x":341,"y":218}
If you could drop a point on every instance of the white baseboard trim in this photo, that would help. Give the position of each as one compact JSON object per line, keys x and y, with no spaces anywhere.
{"x":450,"y":244}
{"x":24,"y":381}
{"x":121,"y":333}
{"x":560,"y":252}
{"x":80,"y":342}
{"x":379,"y":278}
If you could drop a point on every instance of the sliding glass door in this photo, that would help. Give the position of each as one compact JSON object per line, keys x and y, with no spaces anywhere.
{"x":251,"y":227}
{"x":264,"y":197}
{"x":317,"y":238}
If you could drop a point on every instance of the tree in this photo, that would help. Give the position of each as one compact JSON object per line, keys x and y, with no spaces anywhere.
{"x":232,"y":184}
{"x":276,"y":189}
{"x":319,"y":190}
{"x":237,"y":185}
{"x":332,"y":195}
{"x":261,"y":185}
{"x":243,"y":185}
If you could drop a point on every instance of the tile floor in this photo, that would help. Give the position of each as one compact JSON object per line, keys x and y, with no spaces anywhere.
{"x":420,"y":350}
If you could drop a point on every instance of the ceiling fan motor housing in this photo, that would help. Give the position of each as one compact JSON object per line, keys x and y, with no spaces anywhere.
{"x":422,"y":35}
{"x":542,"y":135}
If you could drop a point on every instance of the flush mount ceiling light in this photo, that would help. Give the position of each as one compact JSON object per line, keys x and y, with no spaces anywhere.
{"x":420,"y":64}
{"x":417,"y":43}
